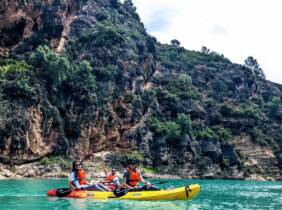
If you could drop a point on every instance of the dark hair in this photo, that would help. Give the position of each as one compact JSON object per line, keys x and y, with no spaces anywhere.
{"x":131,"y":161}
{"x":74,"y":163}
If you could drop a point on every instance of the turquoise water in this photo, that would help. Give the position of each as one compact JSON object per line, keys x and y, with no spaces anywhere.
{"x":215,"y":194}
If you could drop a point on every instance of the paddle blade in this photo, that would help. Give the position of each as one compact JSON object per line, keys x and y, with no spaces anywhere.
{"x":63,"y":192}
{"x":120,"y":192}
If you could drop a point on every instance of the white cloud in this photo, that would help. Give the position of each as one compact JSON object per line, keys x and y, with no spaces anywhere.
{"x":235,"y":28}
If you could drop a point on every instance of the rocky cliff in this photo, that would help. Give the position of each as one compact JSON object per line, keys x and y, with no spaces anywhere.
{"x":81,"y":77}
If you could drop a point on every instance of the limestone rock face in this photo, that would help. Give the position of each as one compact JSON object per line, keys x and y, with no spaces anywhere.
{"x":186,"y":113}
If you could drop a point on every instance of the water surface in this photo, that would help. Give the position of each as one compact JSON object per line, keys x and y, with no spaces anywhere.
{"x":216,"y":194}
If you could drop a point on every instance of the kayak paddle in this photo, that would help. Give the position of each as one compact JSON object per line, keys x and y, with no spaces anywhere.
{"x":119,"y":192}
{"x":62,"y":192}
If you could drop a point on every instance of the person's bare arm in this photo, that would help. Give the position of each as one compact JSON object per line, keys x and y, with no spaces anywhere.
{"x":143,"y":181}
{"x":104,"y":169}
{"x":127,"y":186}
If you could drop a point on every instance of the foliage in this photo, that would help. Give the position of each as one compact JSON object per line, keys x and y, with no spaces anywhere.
{"x":9,"y":66}
{"x":106,"y":73}
{"x":108,"y":35}
{"x":185,"y":123}
{"x":137,"y":102}
{"x":136,"y":156}
{"x":224,"y":134}
{"x":129,"y":5}
{"x":101,"y":15}
{"x":17,"y":79}
{"x":205,"y":50}
{"x":176,"y":88}
{"x":59,"y":72}
{"x":82,"y":83}
{"x":262,"y":138}
{"x":168,"y":129}
{"x":219,"y":88}
{"x":56,"y":160}
{"x":171,"y":129}
{"x":149,"y":170}
{"x":172,"y":56}
{"x":175,"y":42}
{"x":207,"y":134}
{"x":253,"y":65}
{"x":243,"y":111}
{"x":274,"y":108}
{"x":53,"y":68}
{"x":182,"y":82}
{"x":214,"y":134}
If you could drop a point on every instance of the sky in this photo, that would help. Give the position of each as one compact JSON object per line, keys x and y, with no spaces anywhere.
{"x":235,"y":28}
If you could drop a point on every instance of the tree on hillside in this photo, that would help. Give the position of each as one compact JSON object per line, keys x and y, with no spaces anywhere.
{"x":175,"y":42}
{"x":129,"y":4}
{"x":252,"y":64}
{"x":205,"y":50}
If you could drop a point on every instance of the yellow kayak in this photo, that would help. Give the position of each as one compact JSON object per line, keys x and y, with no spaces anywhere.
{"x":181,"y":193}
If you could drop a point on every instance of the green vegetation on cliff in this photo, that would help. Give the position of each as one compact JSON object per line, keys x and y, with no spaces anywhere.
{"x":114,"y":87}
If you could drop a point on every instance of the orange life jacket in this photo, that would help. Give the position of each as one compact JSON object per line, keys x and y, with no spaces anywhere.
{"x":134,"y":177}
{"x":81,"y":177}
{"x":110,"y":178}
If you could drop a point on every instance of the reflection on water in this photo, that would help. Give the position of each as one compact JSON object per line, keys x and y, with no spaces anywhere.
{"x":215,"y":194}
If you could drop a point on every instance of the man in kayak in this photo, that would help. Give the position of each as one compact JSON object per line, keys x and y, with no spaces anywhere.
{"x":132,"y":177}
{"x":78,"y":180}
{"x":111,"y":181}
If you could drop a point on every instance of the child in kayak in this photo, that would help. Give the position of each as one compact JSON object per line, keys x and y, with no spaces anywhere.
{"x":132,"y":177}
{"x":78,"y":180}
{"x":111,"y":181}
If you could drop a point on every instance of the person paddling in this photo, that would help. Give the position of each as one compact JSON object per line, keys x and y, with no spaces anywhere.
{"x":78,"y":180}
{"x":132,"y":177}
{"x":111,"y":181}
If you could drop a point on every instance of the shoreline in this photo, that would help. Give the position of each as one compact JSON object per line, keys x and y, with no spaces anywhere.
{"x":98,"y":175}
{"x":94,"y":170}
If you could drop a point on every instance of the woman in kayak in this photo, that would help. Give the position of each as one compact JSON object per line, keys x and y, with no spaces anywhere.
{"x":78,"y":180}
{"x":132,"y":177}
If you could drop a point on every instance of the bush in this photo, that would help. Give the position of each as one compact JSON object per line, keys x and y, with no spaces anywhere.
{"x":227,"y":110}
{"x":101,"y":15}
{"x":59,"y":72}
{"x":207,"y":134}
{"x":9,"y":66}
{"x":167,"y":96}
{"x":149,"y":96}
{"x":149,"y":170}
{"x":175,"y":42}
{"x":59,"y":160}
{"x":82,"y":84}
{"x":51,"y":67}
{"x":251,"y":110}
{"x":136,"y":156}
{"x":168,"y":129}
{"x":183,"y":82}
{"x":17,"y":79}
{"x":172,"y":129}
{"x":108,"y":35}
{"x":219,"y":88}
{"x":137,"y":102}
{"x":224,"y":134}
{"x":106,"y":73}
{"x":260,"y":137}
{"x":185,"y":123}
{"x":274,"y":108}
